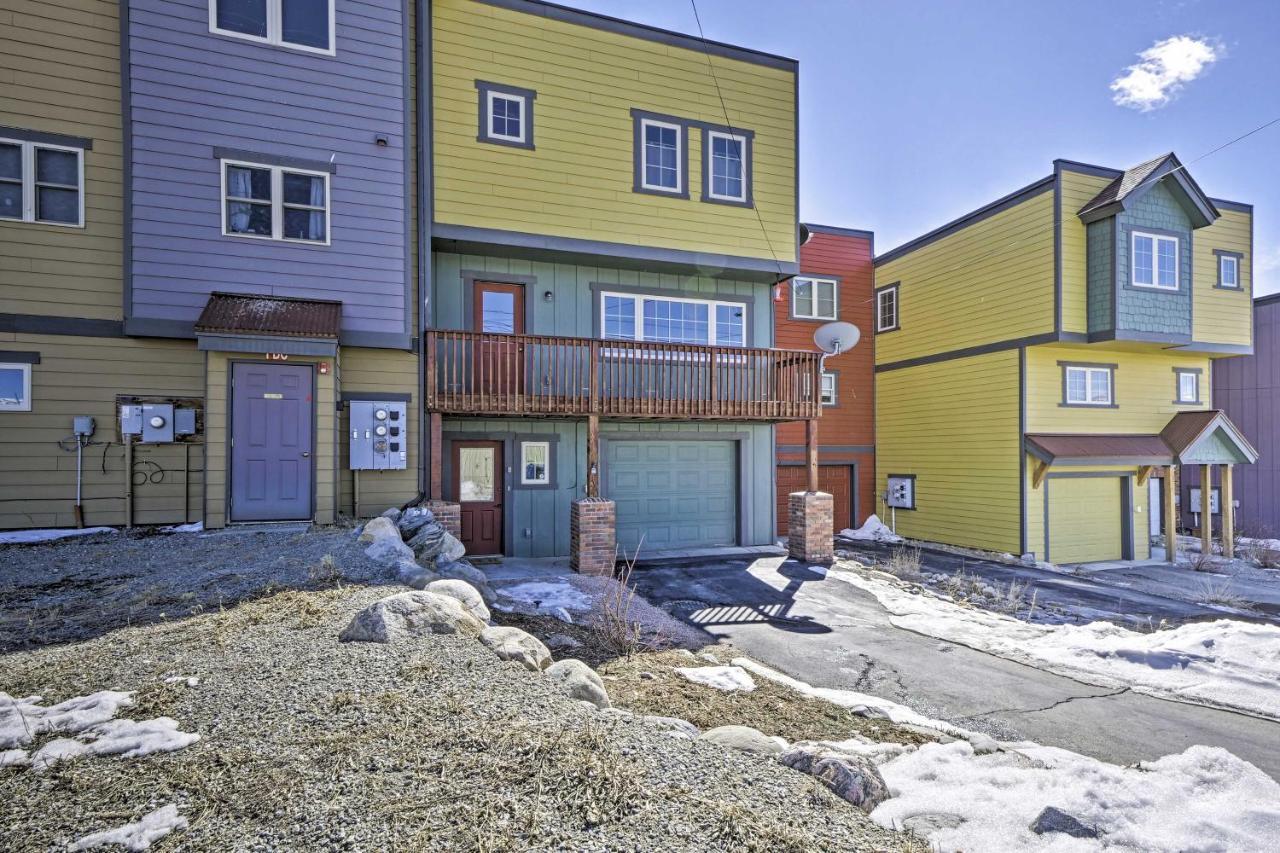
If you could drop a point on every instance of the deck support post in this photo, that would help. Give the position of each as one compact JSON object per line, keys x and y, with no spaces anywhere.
{"x":811,"y":452}
{"x":593,"y":456}
{"x":1206,"y":510}
{"x":1171,"y":514}
{"x":1227,"y":506}
{"x":436,"y":425}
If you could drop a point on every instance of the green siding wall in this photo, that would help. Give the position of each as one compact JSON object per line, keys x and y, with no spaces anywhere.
{"x":1145,"y":309}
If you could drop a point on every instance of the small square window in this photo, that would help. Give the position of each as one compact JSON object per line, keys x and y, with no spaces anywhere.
{"x":1188,"y":386}
{"x":15,"y":387}
{"x":828,"y":395}
{"x":887,"y":308}
{"x":506,"y":114}
{"x":535,"y":463}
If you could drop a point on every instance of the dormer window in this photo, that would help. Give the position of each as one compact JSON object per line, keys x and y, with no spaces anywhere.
{"x":1155,"y":261}
{"x":506,"y":114}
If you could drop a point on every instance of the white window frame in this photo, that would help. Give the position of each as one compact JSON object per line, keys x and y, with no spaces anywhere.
{"x":815,"y":314}
{"x":822,"y":389}
{"x":1182,"y":376}
{"x":1088,"y":372}
{"x":277,"y":202}
{"x":1223,"y":260}
{"x":25,"y":405}
{"x":678,"y":189}
{"x":27,"y":153}
{"x":275,"y":29}
{"x":744,"y":151}
{"x":1156,"y":239}
{"x":546,"y":474}
{"x":490,"y":96}
{"x":892,"y":290}
{"x":712,"y":325}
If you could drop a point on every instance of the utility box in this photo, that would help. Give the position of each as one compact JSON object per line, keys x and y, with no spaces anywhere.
{"x":379,"y":434}
{"x":151,"y":422}
{"x":130,"y":419}
{"x":902,"y":492}
{"x":184,"y":421}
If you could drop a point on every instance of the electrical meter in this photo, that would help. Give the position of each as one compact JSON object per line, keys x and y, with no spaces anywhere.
{"x":902,"y":491}
{"x":379,"y":435}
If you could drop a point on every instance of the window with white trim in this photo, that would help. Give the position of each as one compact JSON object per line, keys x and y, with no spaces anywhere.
{"x":1228,"y":271}
{"x":813,"y":298}
{"x":275,"y":203}
{"x":506,"y":116}
{"x":1155,"y":261}
{"x":41,"y":182}
{"x":535,"y":463}
{"x":15,"y":387}
{"x":299,"y":24}
{"x":662,"y":163}
{"x":727,"y":168}
{"x":828,"y":391}
{"x":1088,"y":386}
{"x":887,"y":309}
{"x":664,"y":319}
{"x":1188,"y":386}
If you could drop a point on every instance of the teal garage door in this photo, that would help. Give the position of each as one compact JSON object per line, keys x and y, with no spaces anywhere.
{"x":676,"y":494}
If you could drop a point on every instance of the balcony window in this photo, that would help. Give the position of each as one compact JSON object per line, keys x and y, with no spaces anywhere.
{"x":667,"y":320}
{"x":41,"y":182}
{"x":1155,"y":261}
{"x":299,"y":24}
{"x":275,"y":203}
{"x":813,"y":298}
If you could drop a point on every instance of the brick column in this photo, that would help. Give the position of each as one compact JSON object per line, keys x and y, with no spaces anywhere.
{"x":810,"y":527}
{"x":449,"y":515}
{"x":592,"y":536}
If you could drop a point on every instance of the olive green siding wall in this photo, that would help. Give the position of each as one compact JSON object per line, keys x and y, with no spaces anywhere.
{"x":380,"y":371}
{"x":1075,"y":190}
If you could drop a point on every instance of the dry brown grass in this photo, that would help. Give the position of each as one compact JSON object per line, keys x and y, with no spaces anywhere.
{"x":903,"y":563}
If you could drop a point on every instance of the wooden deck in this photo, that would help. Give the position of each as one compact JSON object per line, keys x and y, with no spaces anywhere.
{"x":504,"y":375}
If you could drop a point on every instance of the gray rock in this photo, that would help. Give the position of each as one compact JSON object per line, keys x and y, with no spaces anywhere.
{"x":1056,"y":820}
{"x":392,"y":515}
{"x":851,"y":777}
{"x":562,"y":641}
{"x":923,"y":824}
{"x":463,"y":592}
{"x":982,"y":744}
{"x":673,"y":724}
{"x":576,"y":679}
{"x":411,"y":574}
{"x":376,"y":528}
{"x":744,"y":739}
{"x":516,"y":645}
{"x":388,"y":549}
{"x":410,"y":614}
{"x":464,"y":571}
{"x":870,"y":712}
{"x":435,"y":546}
{"x":414,"y":519}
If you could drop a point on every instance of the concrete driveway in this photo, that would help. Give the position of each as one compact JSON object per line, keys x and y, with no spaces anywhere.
{"x":831,"y":634}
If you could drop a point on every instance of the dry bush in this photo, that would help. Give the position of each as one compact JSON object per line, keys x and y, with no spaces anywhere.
{"x":1201,"y":562}
{"x":903,"y":563}
{"x":612,"y":627}
{"x":326,"y":573}
{"x":1012,"y":599}
{"x":1221,"y":592}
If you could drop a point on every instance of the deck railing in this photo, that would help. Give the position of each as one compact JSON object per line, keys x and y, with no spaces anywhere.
{"x":545,"y":376}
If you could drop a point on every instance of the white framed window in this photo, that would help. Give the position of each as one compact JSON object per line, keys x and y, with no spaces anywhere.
{"x":506,"y":114}
{"x":1088,"y":385}
{"x":887,"y":308}
{"x":662,"y":156}
{"x":727,"y":173}
{"x":275,"y":203}
{"x":827,"y":395}
{"x":506,"y":117}
{"x":15,"y":387}
{"x":535,"y":463}
{"x":298,"y":24}
{"x":664,"y":319}
{"x":1188,"y":386}
{"x":814,"y":298}
{"x":1154,"y":261}
{"x":41,"y":182}
{"x":1229,"y":271}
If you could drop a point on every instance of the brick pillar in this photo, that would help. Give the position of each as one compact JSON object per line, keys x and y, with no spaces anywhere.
{"x":592,"y":536}
{"x":810,"y":527}
{"x":449,"y":515}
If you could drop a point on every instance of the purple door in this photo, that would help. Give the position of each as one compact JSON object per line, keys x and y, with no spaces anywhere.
{"x":271,"y":421}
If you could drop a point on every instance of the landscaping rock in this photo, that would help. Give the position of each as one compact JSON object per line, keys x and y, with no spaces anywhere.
{"x":853,"y":778}
{"x":923,"y":824}
{"x":464,"y":571}
{"x":392,"y":515}
{"x":463,"y":592}
{"x":411,"y":574}
{"x":562,"y":641}
{"x":435,"y":546}
{"x":414,"y":519}
{"x":744,"y":739}
{"x":389,"y":549}
{"x":674,"y":725}
{"x":376,"y":528}
{"x":578,"y":680}
{"x":516,"y":645}
{"x":410,"y":614}
{"x":1056,"y":820}
{"x":982,"y":744}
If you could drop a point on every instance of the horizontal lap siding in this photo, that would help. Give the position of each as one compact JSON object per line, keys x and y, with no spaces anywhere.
{"x":954,"y":424}
{"x":60,"y":73}
{"x":1141,"y":509}
{"x":1077,"y":190}
{"x":193,"y":91}
{"x":1223,"y":316}
{"x":578,"y":181}
{"x":379,"y":371}
{"x":988,"y":282}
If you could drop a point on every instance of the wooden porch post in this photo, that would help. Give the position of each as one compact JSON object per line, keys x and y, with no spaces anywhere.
{"x":1171,"y":514}
{"x":1227,"y":505}
{"x":436,"y":492}
{"x":811,"y":448}
{"x":593,"y":456}
{"x":1206,"y":510}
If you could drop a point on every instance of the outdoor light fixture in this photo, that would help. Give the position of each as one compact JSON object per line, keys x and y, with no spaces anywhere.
{"x":547,"y":296}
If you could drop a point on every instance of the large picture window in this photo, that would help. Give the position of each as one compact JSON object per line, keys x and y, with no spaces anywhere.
{"x":41,"y":182}
{"x":299,"y":24}
{"x":275,"y":203}
{"x":1155,"y":261}
{"x":671,"y":320}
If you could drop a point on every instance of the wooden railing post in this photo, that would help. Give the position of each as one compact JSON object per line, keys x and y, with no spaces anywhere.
{"x":593,"y":394}
{"x":429,"y":379}
{"x":811,"y":452}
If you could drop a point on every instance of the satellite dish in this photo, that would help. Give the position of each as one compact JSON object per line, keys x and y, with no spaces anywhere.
{"x":835,"y":338}
{"x":805,"y":234}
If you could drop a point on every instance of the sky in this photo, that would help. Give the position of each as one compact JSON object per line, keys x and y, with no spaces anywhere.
{"x":914,"y":112}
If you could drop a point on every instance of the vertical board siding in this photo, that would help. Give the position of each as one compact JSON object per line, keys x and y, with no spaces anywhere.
{"x":379,"y":371}
{"x":60,"y":73}
{"x":988,"y":282}
{"x":1223,"y":316}
{"x":577,"y":182}
{"x":1077,"y":189}
{"x":954,"y":424}
{"x":193,"y":91}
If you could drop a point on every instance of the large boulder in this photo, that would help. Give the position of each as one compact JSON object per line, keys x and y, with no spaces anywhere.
{"x":1053,"y":819}
{"x":435,"y":546}
{"x":851,"y":777}
{"x":392,"y":515}
{"x":463,"y":571}
{"x":414,"y":519}
{"x":579,"y":681}
{"x":519,"y":646}
{"x":464,"y":593}
{"x":375,"y":528}
{"x":744,"y":739}
{"x":410,"y":614}
{"x":389,"y":550}
{"x":411,"y":574}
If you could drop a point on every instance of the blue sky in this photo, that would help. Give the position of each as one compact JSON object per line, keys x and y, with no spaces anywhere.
{"x":913,"y":112}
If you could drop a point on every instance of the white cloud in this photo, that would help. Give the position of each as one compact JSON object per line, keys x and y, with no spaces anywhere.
{"x":1165,"y":68}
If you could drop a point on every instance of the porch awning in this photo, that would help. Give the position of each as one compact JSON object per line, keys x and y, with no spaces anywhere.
{"x":246,"y":322}
{"x":1190,"y":438}
{"x":1207,"y":438}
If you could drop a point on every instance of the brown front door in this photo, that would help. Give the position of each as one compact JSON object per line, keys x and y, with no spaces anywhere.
{"x":499,"y":310}
{"x":477,"y":482}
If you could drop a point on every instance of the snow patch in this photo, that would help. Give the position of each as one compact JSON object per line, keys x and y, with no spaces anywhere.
{"x":22,"y":719}
{"x":193,"y":527}
{"x":548,"y":596}
{"x":190,"y":680}
{"x":872,"y":530}
{"x":27,"y":537}
{"x":730,"y":679}
{"x":139,"y":835}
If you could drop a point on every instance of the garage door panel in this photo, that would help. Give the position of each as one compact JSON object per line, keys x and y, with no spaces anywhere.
{"x":676,"y":494}
{"x":836,"y":480}
{"x":1085,"y":519}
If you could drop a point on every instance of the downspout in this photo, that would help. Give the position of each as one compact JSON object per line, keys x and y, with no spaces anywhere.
{"x":425,"y":210}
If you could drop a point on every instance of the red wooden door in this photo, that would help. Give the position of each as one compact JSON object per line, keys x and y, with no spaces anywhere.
{"x":836,"y":480}
{"x":499,"y":364}
{"x":477,"y":483}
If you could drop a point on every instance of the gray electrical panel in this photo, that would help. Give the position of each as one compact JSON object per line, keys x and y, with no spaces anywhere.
{"x":151,"y":422}
{"x":379,"y":435}
{"x":184,"y":421}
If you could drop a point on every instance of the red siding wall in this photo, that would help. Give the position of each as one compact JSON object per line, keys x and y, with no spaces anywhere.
{"x":851,"y":422}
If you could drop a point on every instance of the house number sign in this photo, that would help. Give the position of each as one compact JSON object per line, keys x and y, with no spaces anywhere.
{"x":277,"y":356}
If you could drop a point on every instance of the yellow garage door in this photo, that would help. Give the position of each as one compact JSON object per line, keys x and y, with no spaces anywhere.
{"x":1084,"y":519}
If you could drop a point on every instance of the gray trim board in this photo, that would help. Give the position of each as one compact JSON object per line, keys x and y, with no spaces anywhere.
{"x":24,"y":135}
{"x":1218,"y":349}
{"x":1239,"y":256}
{"x":1237,"y":206}
{"x":1140,"y":337}
{"x":469,"y":279}
{"x":643,"y":31}
{"x":39,"y":324}
{"x":969,"y":352}
{"x":638,"y":117}
{"x":839,"y":232}
{"x":407,"y":162}
{"x":266,"y":344}
{"x":221,"y":153}
{"x":484,"y":127}
{"x":374,"y":396}
{"x":1057,"y":250}
{"x":1087,"y":168}
{"x":15,"y":357}
{"x":425,"y":207}
{"x":748,"y":171}
{"x":745,"y":301}
{"x":468,"y":240}
{"x":1022,"y":454}
{"x":126,"y":171}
